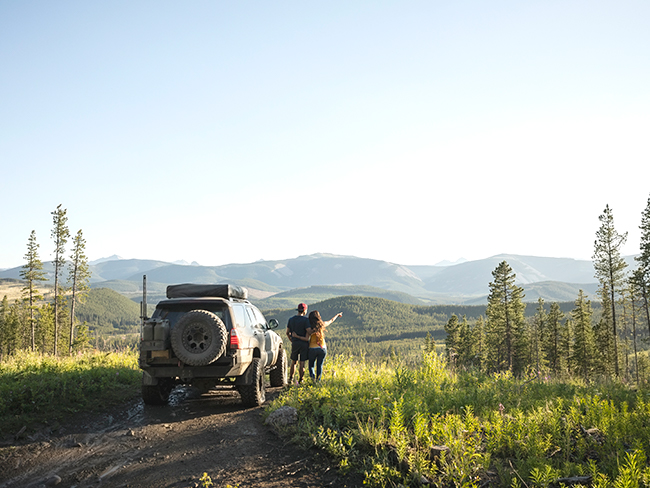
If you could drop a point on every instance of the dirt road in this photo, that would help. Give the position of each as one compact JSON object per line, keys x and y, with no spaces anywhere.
{"x":142,"y":446}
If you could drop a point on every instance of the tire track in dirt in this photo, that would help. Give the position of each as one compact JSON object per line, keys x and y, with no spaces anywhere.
{"x":172,"y":446}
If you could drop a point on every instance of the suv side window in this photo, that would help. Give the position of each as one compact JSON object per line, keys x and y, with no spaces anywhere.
{"x":254,"y":319}
{"x":240,"y":314}
{"x":259,"y":318}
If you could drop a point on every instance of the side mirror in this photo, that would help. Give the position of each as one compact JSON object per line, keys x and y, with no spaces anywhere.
{"x":273,"y":324}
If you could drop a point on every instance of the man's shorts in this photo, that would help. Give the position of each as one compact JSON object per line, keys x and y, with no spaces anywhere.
{"x":299,"y":352}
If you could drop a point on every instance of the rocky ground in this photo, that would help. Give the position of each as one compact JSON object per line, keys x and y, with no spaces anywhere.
{"x":172,"y":446}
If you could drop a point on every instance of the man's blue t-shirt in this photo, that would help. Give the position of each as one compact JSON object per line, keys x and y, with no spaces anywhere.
{"x":298,"y":324}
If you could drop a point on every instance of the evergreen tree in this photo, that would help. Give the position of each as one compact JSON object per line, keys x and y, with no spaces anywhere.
{"x":79,"y":275}
{"x":45,"y":328}
{"x":429,"y":343}
{"x":566,"y":347}
{"x":60,"y":234}
{"x":583,"y":353}
{"x":480,"y":346}
{"x":610,"y":268}
{"x":538,"y":333}
{"x":4,"y":309}
{"x":464,"y":342}
{"x":505,"y":315}
{"x":641,"y":287}
{"x":634,"y":299}
{"x":452,"y":341}
{"x":605,"y":361}
{"x":11,"y":334}
{"x":32,"y":272}
{"x":642,"y":274}
{"x":552,"y":339}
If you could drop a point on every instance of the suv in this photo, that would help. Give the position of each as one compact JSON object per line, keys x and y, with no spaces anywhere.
{"x":205,"y":335}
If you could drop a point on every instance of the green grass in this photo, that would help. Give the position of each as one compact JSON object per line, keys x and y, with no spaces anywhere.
{"x":385,"y":420}
{"x":37,"y":390}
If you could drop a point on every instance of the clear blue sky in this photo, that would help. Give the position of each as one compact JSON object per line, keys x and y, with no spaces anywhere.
{"x":408,"y":131}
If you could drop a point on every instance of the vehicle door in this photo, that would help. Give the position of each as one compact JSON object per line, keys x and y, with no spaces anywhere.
{"x":266,"y":341}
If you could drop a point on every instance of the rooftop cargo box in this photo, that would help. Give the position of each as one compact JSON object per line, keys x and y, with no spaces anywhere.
{"x":187,"y":290}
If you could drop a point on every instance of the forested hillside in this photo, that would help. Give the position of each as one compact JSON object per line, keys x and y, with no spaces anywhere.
{"x":377,"y":327}
{"x":108,"y":312}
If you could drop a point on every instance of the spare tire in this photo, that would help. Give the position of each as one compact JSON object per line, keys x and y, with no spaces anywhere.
{"x":199,"y":338}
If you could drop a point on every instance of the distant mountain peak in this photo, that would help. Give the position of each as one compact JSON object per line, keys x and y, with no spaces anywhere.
{"x":114,"y":257}
{"x":446,"y":262}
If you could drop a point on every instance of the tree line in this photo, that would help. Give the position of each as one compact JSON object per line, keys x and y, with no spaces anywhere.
{"x":48,"y":325}
{"x":573,"y":344}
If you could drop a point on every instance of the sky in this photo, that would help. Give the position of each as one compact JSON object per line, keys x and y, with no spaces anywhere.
{"x":407,"y":131}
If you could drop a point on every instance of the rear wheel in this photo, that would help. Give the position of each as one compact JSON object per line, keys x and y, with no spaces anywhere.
{"x":278,"y":375}
{"x":157,"y":394}
{"x":254,"y":394}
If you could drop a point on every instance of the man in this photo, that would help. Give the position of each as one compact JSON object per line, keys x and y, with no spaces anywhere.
{"x":296,"y":331}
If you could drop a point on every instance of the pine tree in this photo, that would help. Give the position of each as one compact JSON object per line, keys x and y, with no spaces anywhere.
{"x":429,"y":343}
{"x":538,"y":334}
{"x":552,"y":339}
{"x":452,"y":341}
{"x":480,"y":346}
{"x":45,"y":329}
{"x":582,"y":358}
{"x":505,"y":315}
{"x":464,"y":342}
{"x":32,"y":273}
{"x":635,"y":294}
{"x":4,"y":308}
{"x":79,"y":275}
{"x":566,"y":347}
{"x":11,"y":334}
{"x":604,"y":360}
{"x":642,"y":274}
{"x":60,"y":234}
{"x":610,"y":268}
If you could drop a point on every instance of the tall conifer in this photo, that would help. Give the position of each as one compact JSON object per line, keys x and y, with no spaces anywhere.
{"x":79,"y":275}
{"x":642,"y":274}
{"x":553,"y":338}
{"x":610,"y":268}
{"x":60,"y":234}
{"x":583,"y":345}
{"x":505,"y":316}
{"x":32,"y":272}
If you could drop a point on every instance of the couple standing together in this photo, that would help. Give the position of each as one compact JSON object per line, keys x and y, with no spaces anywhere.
{"x":307,"y":336}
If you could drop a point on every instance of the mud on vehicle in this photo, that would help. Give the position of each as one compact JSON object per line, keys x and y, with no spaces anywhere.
{"x":209,"y":335}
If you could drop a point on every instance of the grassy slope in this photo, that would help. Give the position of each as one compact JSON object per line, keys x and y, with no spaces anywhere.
{"x":37,"y":390}
{"x":384,"y":420}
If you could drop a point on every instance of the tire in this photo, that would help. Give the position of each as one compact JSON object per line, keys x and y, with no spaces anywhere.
{"x":278,"y":375}
{"x":254,"y":395}
{"x":157,"y":394}
{"x":199,"y":338}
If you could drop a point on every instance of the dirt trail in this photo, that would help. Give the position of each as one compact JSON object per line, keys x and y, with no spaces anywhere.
{"x":142,"y":446}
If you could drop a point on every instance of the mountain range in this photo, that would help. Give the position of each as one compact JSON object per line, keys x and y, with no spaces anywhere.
{"x":325,"y":275}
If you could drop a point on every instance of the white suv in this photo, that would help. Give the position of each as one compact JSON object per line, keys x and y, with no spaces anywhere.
{"x":204,"y":335}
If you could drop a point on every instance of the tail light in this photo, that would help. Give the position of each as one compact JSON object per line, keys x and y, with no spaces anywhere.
{"x":234,"y":339}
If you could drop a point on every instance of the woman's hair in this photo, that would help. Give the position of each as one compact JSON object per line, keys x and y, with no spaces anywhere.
{"x":315,"y":321}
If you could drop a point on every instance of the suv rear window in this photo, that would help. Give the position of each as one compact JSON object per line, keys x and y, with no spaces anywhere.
{"x":173,"y":312}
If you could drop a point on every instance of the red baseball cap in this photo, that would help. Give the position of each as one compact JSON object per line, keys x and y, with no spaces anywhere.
{"x":302,"y":307}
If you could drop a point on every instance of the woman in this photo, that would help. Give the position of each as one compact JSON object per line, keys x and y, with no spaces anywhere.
{"x":317,"y":348}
